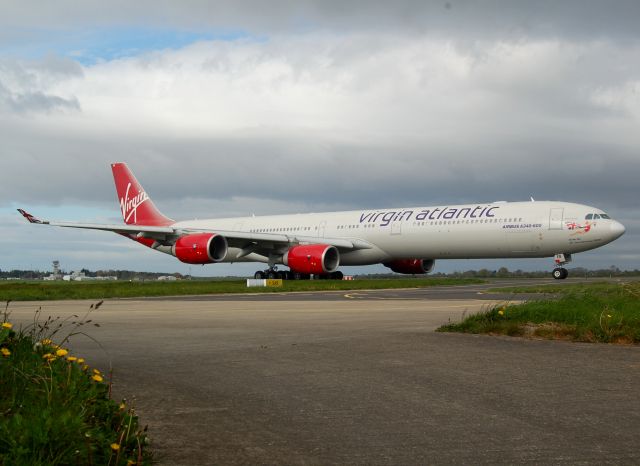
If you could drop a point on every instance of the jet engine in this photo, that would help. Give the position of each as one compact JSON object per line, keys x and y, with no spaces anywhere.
{"x":411,"y":266}
{"x":312,"y":258}
{"x":200,"y":248}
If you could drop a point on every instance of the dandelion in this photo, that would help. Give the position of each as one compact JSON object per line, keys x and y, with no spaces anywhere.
{"x":85,"y":367}
{"x":46,"y":341}
{"x":131,"y":462}
{"x":71,"y":358}
{"x":115,"y":446}
{"x":80,"y":361}
{"x":61,"y":352}
{"x":48,"y":356}
{"x":7,"y":325}
{"x":122,"y":406}
{"x":96,"y":371}
{"x":5,"y":352}
{"x":501,"y":312}
{"x":97,"y":378}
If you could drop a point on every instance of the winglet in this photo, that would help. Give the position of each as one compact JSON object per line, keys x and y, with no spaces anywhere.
{"x":30,"y":217}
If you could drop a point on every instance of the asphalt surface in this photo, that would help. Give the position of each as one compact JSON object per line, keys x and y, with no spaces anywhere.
{"x":476,"y":291}
{"x":358,"y":381}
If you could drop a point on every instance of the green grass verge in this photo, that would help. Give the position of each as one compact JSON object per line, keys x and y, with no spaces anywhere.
{"x":56,"y":410}
{"x":595,"y":286}
{"x":37,"y":291}
{"x":601,"y":312}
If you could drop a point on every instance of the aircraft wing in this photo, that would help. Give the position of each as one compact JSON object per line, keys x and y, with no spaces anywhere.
{"x":168,"y":235}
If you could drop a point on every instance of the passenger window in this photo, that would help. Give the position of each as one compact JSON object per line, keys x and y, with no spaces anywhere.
{"x":589,"y":217}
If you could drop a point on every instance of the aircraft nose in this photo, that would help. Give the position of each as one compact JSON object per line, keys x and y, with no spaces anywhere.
{"x":617,"y":229}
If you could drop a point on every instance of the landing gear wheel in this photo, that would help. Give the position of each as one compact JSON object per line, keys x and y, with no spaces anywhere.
{"x":337,"y":275}
{"x":259,"y":275}
{"x":560,"y":273}
{"x":272,"y":274}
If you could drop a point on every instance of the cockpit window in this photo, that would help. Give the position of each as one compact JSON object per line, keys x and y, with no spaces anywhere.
{"x":605,"y":216}
{"x":589,"y":217}
{"x":595,"y":216}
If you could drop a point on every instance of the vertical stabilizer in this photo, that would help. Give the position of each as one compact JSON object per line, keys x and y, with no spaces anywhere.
{"x":136,"y":206}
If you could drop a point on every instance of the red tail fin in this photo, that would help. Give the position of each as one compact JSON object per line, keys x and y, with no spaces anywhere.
{"x":136,"y":207}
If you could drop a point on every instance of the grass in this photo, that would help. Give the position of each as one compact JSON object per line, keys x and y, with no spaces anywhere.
{"x":595,"y":286}
{"x":37,"y":291}
{"x":55,"y":409}
{"x":600,"y":312}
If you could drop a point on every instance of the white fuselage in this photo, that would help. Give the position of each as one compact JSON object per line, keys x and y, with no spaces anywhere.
{"x":494,"y":230}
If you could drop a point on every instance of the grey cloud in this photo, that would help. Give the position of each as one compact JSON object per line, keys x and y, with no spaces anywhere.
{"x":34,"y":102}
{"x":24,"y":84}
{"x":290,"y":171}
{"x":466,"y":19}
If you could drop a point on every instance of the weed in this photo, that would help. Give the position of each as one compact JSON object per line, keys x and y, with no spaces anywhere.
{"x":55,"y":409}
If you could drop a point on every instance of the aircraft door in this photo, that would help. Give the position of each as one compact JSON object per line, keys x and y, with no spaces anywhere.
{"x":321,"y":228}
{"x":555,"y":218}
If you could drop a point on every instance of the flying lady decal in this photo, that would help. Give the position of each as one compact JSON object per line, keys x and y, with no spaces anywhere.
{"x":579,"y":229}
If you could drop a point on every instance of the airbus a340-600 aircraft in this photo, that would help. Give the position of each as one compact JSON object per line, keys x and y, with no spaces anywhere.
{"x":407,"y":240}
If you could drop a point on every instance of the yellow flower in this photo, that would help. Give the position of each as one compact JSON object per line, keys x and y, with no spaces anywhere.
{"x":501,"y":312}
{"x":97,"y":378}
{"x":85,"y":367}
{"x":5,"y":352}
{"x":7,"y":325}
{"x":115,"y":446}
{"x":609,"y":315}
{"x":81,"y":361}
{"x":96,"y":371}
{"x":122,"y":406}
{"x":130,"y":462}
{"x":61,"y":352}
{"x":71,"y":358}
{"x":48,"y":356}
{"x":46,"y":341}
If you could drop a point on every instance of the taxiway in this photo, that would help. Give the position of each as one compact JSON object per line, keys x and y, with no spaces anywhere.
{"x":357,"y":378}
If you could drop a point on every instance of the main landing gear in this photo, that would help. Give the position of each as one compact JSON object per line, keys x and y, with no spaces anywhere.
{"x":560,"y":273}
{"x":273,"y":272}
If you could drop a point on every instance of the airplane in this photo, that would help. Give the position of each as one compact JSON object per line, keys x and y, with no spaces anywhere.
{"x":407,"y":240}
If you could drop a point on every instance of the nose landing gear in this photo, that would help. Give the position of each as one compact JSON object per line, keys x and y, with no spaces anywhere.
{"x":560,"y":273}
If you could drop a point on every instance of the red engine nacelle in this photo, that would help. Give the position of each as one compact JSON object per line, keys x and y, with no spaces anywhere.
{"x":200,"y":248}
{"x":411,"y":266}
{"x":312,"y":258}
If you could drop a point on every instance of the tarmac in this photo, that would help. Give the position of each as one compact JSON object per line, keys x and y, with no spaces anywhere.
{"x":356,"y":378}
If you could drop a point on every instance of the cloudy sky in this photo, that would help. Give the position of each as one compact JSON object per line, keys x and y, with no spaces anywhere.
{"x":230,"y":108}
